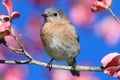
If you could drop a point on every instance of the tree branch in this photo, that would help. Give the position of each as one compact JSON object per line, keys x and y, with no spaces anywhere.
{"x":79,"y":68}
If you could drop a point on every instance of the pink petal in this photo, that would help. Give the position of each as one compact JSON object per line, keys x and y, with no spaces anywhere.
{"x":113,"y":71}
{"x":118,"y":74}
{"x":5,"y":25}
{"x":80,"y":13}
{"x":107,"y":2}
{"x":4,"y":29}
{"x":8,"y":5}
{"x":15,"y":14}
{"x":2,"y":17}
{"x":111,"y":63}
{"x":97,"y":6}
{"x":12,"y":42}
{"x":96,"y":9}
{"x":108,"y":58}
{"x":100,"y":5}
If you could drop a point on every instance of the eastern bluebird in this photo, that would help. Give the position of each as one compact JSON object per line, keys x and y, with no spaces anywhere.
{"x":59,"y":38}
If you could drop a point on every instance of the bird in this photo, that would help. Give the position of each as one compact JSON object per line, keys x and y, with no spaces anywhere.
{"x":59,"y":38}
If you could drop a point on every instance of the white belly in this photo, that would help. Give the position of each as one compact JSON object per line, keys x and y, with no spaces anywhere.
{"x":59,"y":52}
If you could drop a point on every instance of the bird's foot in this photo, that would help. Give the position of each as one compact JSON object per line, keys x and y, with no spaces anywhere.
{"x":73,"y":68}
{"x":74,"y":71}
{"x":49,"y":65}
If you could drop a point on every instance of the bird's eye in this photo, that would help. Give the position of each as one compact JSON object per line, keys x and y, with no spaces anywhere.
{"x":55,"y":14}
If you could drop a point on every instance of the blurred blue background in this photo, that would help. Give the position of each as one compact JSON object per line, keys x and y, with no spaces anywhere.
{"x":93,"y":47}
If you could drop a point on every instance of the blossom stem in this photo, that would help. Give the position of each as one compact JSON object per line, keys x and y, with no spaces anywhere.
{"x":114,"y":16}
{"x":22,"y":47}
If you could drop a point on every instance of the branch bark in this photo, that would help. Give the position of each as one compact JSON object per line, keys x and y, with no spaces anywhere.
{"x":35,"y":62}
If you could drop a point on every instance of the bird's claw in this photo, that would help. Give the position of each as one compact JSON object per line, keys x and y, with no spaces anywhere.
{"x":49,"y":66}
{"x":73,"y":68}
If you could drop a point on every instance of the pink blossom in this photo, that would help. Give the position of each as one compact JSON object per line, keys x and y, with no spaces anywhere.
{"x":111,"y":64}
{"x":32,"y":28}
{"x":15,"y":14}
{"x":42,"y":2}
{"x":15,"y":73}
{"x":2,"y":57}
{"x":12,"y":42}
{"x":6,"y":21}
{"x":100,"y":5}
{"x":4,"y":30}
{"x":8,"y":5}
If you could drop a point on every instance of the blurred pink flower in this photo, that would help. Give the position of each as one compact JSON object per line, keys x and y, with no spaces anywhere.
{"x":109,"y":29}
{"x":58,"y":75}
{"x":33,"y":29}
{"x":42,"y":2}
{"x":15,"y":73}
{"x":111,"y":64}
{"x":65,"y":75}
{"x":100,"y":5}
{"x":80,"y":13}
{"x":2,"y":57}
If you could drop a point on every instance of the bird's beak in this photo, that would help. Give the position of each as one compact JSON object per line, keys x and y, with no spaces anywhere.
{"x":44,"y":15}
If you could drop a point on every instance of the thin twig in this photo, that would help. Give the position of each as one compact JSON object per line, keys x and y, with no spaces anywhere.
{"x":18,"y":41}
{"x":79,"y":68}
{"x":22,"y":47}
{"x":115,"y":17}
{"x":15,"y":50}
